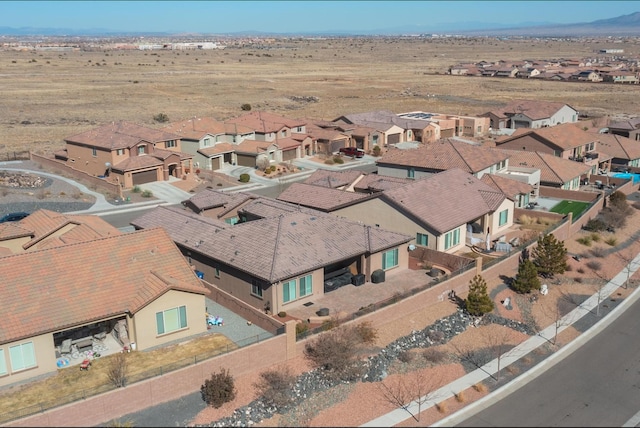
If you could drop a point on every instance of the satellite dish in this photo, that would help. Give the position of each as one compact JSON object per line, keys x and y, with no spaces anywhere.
{"x":107,"y":164}
{"x":412,"y":247}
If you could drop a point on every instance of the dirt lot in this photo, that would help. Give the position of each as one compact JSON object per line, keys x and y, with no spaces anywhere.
{"x":48,"y":95}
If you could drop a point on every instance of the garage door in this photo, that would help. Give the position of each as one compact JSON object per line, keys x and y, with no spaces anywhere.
{"x":144,"y":177}
{"x":244,"y":160}
{"x":289,"y":154}
{"x":393,"y":139}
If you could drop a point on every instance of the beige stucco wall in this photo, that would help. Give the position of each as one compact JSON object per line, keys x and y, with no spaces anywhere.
{"x":143,"y":325}
{"x":15,"y":245}
{"x":45,"y":357}
{"x":527,"y":143}
{"x":377,"y":212}
{"x":494,"y":218}
{"x":81,"y":158}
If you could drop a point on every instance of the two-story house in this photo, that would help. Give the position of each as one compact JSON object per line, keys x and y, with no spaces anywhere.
{"x":531,"y":114}
{"x":126,"y":153}
{"x":627,"y":128}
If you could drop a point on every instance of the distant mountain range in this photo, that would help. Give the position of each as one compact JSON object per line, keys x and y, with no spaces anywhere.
{"x":626,"y":25}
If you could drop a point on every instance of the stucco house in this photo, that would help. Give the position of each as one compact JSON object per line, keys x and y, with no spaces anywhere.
{"x":138,"y":281}
{"x":531,"y":114}
{"x":627,"y":128}
{"x":211,"y":142}
{"x":383,"y":121}
{"x":283,"y":261}
{"x":622,"y":150}
{"x":419,"y":208}
{"x":126,"y":153}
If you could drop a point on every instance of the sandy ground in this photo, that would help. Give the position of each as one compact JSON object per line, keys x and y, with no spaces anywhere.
{"x":353,"y":405}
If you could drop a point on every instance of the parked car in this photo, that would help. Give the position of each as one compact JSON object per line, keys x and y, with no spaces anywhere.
{"x":352,"y":151}
{"x":17,"y":216}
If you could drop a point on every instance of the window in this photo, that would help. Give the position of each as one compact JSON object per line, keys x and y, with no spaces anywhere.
{"x":216,"y":272}
{"x":94,"y":152}
{"x":3,"y":363}
{"x":140,"y":150}
{"x":288,"y":291}
{"x":299,"y":129}
{"x":231,"y":220}
{"x":120,"y":152}
{"x":256,"y":289}
{"x":207,"y":142}
{"x":451,"y":239}
{"x":22,"y":356}
{"x":390,"y":259}
{"x":422,"y":239}
{"x":504,"y":215}
{"x":284,"y":133}
{"x":170,"y":143}
{"x":306,"y":287}
{"x":374,"y":140}
{"x":411,"y":173}
{"x":171,"y":320}
{"x":479,"y":129}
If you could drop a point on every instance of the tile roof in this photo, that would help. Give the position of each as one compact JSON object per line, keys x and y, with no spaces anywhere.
{"x":281,"y":247}
{"x":13,"y":230}
{"x":446,"y":200}
{"x":533,"y":109}
{"x":326,"y":199}
{"x":198,"y":128}
{"x":566,"y":135}
{"x":267,"y":207}
{"x":253,"y":147}
{"x":510,"y":187}
{"x":212,"y":198}
{"x":329,"y":134}
{"x":219,"y":148}
{"x":264,"y":122}
{"x":378,"y":183}
{"x":333,"y":179}
{"x":48,"y":290}
{"x":444,"y":154}
{"x":120,"y":135}
{"x":553,"y":169}
{"x":138,"y":162}
{"x":618,"y":146}
{"x":629,"y":125}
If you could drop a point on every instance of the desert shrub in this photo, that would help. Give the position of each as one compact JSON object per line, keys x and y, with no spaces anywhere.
{"x":147,"y":194}
{"x":62,"y":194}
{"x":273,"y":168}
{"x":338,"y":160}
{"x":136,"y":189}
{"x":117,"y":369}
{"x":580,"y":270}
{"x":244,"y":178}
{"x":441,"y":407}
{"x":335,"y":351}
{"x":301,"y":328}
{"x":267,"y":171}
{"x":595,"y":225}
{"x":636,"y":205}
{"x":618,"y":199}
{"x":594,"y":265}
{"x":405,"y":356}
{"x":598,"y":252}
{"x":585,"y":240}
{"x":460,"y":398}
{"x":365,"y":332}
{"x":41,"y":194}
{"x":433,"y":356}
{"x":76,"y":195}
{"x":525,"y":219}
{"x":611,"y":241}
{"x":161,"y":117}
{"x":480,"y":387}
{"x":276,"y":386}
{"x":435,"y":335}
{"x":569,"y":268}
{"x":595,"y":237}
{"x":218,"y":389}
{"x":245,"y":107}
{"x":329,"y":161}
{"x":578,"y":280}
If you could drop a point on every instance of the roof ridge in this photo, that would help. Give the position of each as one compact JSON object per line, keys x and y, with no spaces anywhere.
{"x":275,"y":247}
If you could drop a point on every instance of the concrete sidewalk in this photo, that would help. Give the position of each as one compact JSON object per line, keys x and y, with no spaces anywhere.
{"x":545,"y":336}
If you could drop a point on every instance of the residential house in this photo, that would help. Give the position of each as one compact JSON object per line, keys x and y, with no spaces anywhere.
{"x":506,"y":72}
{"x":418,"y":208}
{"x":280,"y":262}
{"x":44,"y":229}
{"x":137,"y":284}
{"x":528,"y":72}
{"x":531,"y":114}
{"x":126,"y":153}
{"x":327,"y":140}
{"x":567,"y":141}
{"x":426,"y":160}
{"x":269,"y":126}
{"x":383,"y":121}
{"x":211,"y":142}
{"x":621,"y":77}
{"x":554,"y":171}
{"x":587,"y":76}
{"x":627,"y":128}
{"x":519,"y":192}
{"x":623,"y":151}
{"x":362,"y":137}
{"x":450,"y":125}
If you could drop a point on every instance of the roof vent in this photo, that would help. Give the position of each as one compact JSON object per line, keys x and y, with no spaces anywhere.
{"x":293,"y":223}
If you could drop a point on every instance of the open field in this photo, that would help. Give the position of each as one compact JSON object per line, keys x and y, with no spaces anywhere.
{"x":50,"y":95}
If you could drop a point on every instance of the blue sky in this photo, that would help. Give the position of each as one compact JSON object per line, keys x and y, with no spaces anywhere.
{"x":295,"y":16}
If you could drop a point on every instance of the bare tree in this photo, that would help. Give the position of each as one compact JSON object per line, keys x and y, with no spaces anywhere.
{"x":498,"y":342}
{"x":117,"y":369}
{"x":415,"y":387}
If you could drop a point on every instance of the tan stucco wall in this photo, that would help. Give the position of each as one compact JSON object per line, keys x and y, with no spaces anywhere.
{"x":377,"y":212}
{"x":45,"y":359}
{"x":144,"y":321}
{"x":494,"y":219}
{"x":15,"y":245}
{"x":528,"y":144}
{"x":81,"y":158}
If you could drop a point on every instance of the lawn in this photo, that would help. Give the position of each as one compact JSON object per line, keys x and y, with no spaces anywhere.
{"x":566,"y":207}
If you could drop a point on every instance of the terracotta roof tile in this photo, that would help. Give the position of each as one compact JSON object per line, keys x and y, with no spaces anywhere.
{"x":48,"y":290}
{"x":212,"y":198}
{"x":511,"y":188}
{"x":432,"y":200}
{"x":333,"y":179}
{"x":533,"y":109}
{"x":553,"y":169}
{"x":120,"y":135}
{"x":618,"y":146}
{"x":377,"y":183}
{"x":267,"y":207}
{"x":322,"y":198}
{"x":219,"y":148}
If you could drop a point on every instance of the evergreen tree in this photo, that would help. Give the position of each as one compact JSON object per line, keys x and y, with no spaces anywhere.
{"x":527,"y":278}
{"x":550,"y":256}
{"x":478,"y":301}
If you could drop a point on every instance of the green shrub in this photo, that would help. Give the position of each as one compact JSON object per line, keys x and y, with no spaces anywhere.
{"x":245,"y":107}
{"x":611,"y":241}
{"x":338,"y":160}
{"x":282,"y":314}
{"x":376,"y":151}
{"x":147,"y":194}
{"x":329,"y":161}
{"x":219,"y":389}
{"x":585,"y":240}
{"x":161,"y":117}
{"x":273,"y":168}
{"x":244,"y":178}
{"x":301,"y":328}
{"x":595,"y":237}
{"x":136,"y":189}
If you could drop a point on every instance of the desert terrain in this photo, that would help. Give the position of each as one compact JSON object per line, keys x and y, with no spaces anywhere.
{"x":51,"y":95}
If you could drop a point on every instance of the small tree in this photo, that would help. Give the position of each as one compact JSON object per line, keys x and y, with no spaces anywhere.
{"x":409,"y":394}
{"x":527,"y":278}
{"x":478,"y":301}
{"x":276,"y":386}
{"x":219,"y":389}
{"x":376,"y":150}
{"x":550,"y":256}
{"x":117,"y":369}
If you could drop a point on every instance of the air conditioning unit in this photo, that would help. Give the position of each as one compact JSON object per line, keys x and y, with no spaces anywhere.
{"x":357,"y":279}
{"x":412,"y":247}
